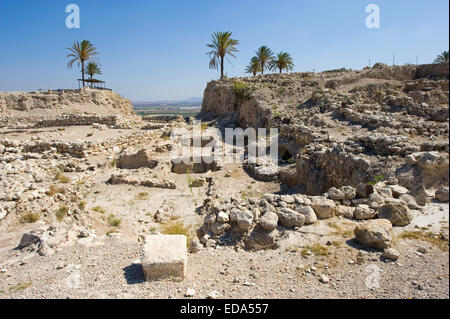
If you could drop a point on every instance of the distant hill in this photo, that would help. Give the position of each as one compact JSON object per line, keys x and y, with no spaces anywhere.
{"x":194,"y":101}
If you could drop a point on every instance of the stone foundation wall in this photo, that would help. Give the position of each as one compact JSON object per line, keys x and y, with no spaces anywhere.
{"x":78,"y":120}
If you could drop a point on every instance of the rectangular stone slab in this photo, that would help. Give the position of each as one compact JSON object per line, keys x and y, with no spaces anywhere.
{"x":165,"y":257}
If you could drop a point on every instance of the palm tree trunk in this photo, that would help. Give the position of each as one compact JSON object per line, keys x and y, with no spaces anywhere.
{"x":82,"y":72}
{"x":262,"y":69}
{"x":221,"y":67}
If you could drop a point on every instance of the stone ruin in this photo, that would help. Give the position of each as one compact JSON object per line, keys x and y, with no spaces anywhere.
{"x":197,"y":165}
{"x":256,"y":224}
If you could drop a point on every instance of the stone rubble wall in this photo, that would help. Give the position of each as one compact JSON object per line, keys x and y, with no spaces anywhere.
{"x":73,"y":149}
{"x":140,"y":181}
{"x":254,"y":224}
{"x":78,"y":120}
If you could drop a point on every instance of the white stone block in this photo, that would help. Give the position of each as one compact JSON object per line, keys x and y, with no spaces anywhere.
{"x":165,"y":257}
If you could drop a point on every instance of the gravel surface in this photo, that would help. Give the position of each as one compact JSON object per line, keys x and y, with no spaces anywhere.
{"x":111,"y":269}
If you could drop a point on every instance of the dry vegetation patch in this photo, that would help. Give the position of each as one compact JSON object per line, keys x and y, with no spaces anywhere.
{"x":436,"y":239}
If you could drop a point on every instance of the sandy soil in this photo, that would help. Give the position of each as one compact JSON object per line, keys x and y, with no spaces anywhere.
{"x":109,"y":266}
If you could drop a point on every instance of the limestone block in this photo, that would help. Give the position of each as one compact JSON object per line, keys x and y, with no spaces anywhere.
{"x":165,"y":257}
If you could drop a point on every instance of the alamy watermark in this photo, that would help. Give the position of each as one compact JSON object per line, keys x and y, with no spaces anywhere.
{"x":73,"y":19}
{"x":373,"y":278}
{"x":232,"y":145}
{"x":373,"y":18}
{"x":73,"y":281}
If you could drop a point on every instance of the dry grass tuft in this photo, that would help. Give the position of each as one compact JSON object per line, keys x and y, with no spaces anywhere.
{"x":178,"y":228}
{"x":61,"y":212}
{"x":99,"y":209}
{"x":60,"y":177}
{"x":340,"y":231}
{"x":53,"y":190}
{"x":20,"y":286}
{"x":82,"y":205}
{"x":430,"y":237}
{"x":111,"y":231}
{"x":113,"y":221}
{"x":29,"y":218}
{"x":142,"y":196}
{"x":316,"y":249}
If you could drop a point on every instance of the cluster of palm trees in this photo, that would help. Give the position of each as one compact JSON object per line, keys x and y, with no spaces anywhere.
{"x":82,"y":53}
{"x":442,"y":58}
{"x":266,"y":60}
{"x":222,"y":45}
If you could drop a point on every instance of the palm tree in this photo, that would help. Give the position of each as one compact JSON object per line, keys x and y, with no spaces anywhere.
{"x":254,"y":67}
{"x":282,"y":62}
{"x":442,"y":58}
{"x":80,"y":53}
{"x":92,"y":69}
{"x":265,"y":56}
{"x":222,"y":45}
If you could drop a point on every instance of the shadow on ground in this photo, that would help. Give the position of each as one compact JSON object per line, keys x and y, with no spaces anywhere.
{"x":134,"y":274}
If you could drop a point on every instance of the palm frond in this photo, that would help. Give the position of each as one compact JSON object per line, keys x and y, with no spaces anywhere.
{"x":443,"y":57}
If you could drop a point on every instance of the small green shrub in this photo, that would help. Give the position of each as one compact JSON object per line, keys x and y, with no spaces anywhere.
{"x":82,"y":205}
{"x":62,"y":212}
{"x":142,"y":196}
{"x":59,"y":177}
{"x":99,"y":209}
{"x":377,"y":179}
{"x":111,"y":231}
{"x":64,"y":179}
{"x":113,"y":221}
{"x":242,"y":93}
{"x":316,"y":249}
{"x":29,"y":218}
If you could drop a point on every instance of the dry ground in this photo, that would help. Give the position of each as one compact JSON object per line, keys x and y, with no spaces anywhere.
{"x":106,"y":266}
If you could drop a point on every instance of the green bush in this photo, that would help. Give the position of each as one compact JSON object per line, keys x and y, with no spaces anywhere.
{"x":242,"y":93}
{"x":113,"y":221}
{"x":377,"y":179}
{"x":29,"y":218}
{"x":61,"y":212}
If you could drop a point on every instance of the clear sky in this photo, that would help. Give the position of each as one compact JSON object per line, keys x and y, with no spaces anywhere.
{"x":155,"y":50}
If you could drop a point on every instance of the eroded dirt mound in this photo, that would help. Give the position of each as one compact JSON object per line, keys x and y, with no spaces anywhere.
{"x":21,"y":107}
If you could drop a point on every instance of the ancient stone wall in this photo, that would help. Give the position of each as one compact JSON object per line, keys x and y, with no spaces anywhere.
{"x":364,"y":124}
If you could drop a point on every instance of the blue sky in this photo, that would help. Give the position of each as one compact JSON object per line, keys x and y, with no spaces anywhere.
{"x":155,"y":50}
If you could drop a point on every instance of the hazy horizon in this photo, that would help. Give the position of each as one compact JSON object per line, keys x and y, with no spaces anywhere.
{"x":192,"y":100}
{"x":156,"y":51}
